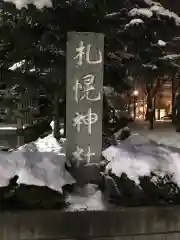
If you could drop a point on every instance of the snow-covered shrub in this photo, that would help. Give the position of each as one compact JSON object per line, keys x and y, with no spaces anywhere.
{"x":145,"y":173}
{"x":41,"y":176}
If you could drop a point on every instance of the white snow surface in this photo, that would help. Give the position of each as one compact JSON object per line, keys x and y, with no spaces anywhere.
{"x":24,"y":3}
{"x":87,"y":198}
{"x":133,"y":22}
{"x":40,"y":163}
{"x":161,"y":43}
{"x":139,"y":156}
{"x":171,"y":57}
{"x":17,"y":65}
{"x":157,"y":9}
{"x":140,"y":12}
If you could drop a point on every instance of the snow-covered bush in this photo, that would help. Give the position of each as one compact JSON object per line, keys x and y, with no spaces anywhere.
{"x":145,"y":172}
{"x":40,"y":174}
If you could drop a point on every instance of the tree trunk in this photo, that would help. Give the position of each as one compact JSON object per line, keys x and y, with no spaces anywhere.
{"x":150,"y":112}
{"x":134,"y":105}
{"x":56,"y":132}
{"x":65,"y":117}
{"x":129,"y":105}
{"x":159,"y":114}
{"x":64,"y":113}
{"x":178,"y":113}
{"x":154,"y":108}
{"x":20,"y":136}
{"x":150,"y":109}
{"x":173,"y":102}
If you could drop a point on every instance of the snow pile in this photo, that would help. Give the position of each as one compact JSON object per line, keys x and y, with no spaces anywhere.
{"x":46,"y":162}
{"x":140,"y":12}
{"x":40,"y":163}
{"x":150,"y":66}
{"x":47,"y":144}
{"x":10,"y":164}
{"x":24,"y":3}
{"x":160,"y":11}
{"x":86,"y":198}
{"x":138,"y":156}
{"x":171,"y":57}
{"x":17,"y":65}
{"x":157,"y":9}
{"x":161,"y":43}
{"x":135,"y":22}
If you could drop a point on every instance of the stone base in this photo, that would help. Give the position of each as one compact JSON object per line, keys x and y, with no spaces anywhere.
{"x":125,"y":224}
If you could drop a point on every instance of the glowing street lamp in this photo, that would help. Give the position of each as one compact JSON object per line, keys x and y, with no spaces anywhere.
{"x":141,"y":109}
{"x":135,"y":95}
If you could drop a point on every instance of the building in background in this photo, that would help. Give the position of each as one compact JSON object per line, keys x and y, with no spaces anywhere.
{"x":162,"y":102}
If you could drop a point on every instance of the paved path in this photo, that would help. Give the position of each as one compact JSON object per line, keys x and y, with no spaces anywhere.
{"x":163,"y":132}
{"x":158,"y":125}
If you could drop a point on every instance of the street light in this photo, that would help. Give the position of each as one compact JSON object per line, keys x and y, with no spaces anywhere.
{"x":135,"y":95}
{"x":141,"y":109}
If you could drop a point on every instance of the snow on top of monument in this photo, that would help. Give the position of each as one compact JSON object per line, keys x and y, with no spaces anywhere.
{"x":139,"y":156}
{"x":24,"y":3}
{"x":161,"y":43}
{"x":133,"y":22}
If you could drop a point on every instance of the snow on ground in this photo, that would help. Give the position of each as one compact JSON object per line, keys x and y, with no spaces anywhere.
{"x":163,"y":132}
{"x":166,"y":137}
{"x":86,"y":198}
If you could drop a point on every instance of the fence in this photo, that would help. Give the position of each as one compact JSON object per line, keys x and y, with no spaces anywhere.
{"x":125,"y":224}
{"x":8,"y":137}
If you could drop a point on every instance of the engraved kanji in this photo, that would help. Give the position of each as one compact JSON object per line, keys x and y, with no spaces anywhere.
{"x":87,"y":119}
{"x":83,"y":51}
{"x":86,"y":89}
{"x":79,"y":155}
